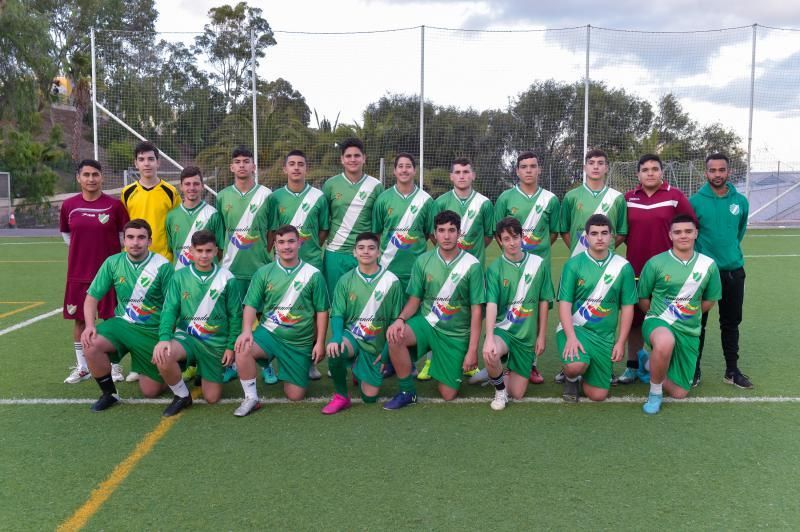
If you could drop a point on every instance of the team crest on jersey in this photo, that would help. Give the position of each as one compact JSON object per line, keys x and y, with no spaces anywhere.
{"x":140,"y":313}
{"x":607,"y":278}
{"x":283,"y":319}
{"x":337,"y":196}
{"x":697,"y":276}
{"x":244,"y":240}
{"x":305,"y":206}
{"x":471,"y":213}
{"x":202,"y":330}
{"x":581,"y":282}
{"x":667,"y":278}
{"x":297,"y":285}
{"x":352,"y":296}
{"x":71,"y":309}
{"x":514,"y":211}
{"x":185,"y":295}
{"x":214,"y":293}
{"x":403,"y":241}
{"x":537,"y":208}
{"x":145,"y":281}
{"x":253,"y":207}
{"x":605,"y":206}
{"x":455,"y":277}
{"x":121,"y":279}
{"x":518,"y":314}
{"x":734,"y":208}
{"x":593,"y":313}
{"x":682,"y":311}
{"x":530,"y":241}
{"x":103,"y":218}
{"x":363,"y":194}
{"x":198,"y":224}
{"x":505,"y":282}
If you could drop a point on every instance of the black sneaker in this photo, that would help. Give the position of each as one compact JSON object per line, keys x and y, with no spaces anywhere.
{"x":738,"y":379}
{"x":696,"y":379}
{"x":107,"y":400}
{"x":570,"y":393}
{"x":177,"y":404}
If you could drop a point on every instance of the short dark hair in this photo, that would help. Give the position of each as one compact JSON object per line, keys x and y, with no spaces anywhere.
{"x":295,"y":153}
{"x":599,"y":220}
{"x":285,"y":229}
{"x":191,"y":171}
{"x":352,"y":142}
{"x":89,"y":162}
{"x":407,"y":156}
{"x":367,"y":235}
{"x":241,"y":151}
{"x":527,"y":155}
{"x":718,"y":157}
{"x":682,"y":219}
{"x":509,"y":224}
{"x":462,"y":161}
{"x":649,"y":157}
{"x":595,"y":152}
{"x":144,"y":147}
{"x":138,"y":223}
{"x":447,"y":217}
{"x":203,"y":236}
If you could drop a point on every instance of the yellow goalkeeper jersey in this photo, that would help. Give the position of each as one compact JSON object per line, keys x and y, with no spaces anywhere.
{"x":152,"y":204}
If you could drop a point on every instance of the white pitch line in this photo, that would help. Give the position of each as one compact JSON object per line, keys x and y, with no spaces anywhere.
{"x":25,"y":323}
{"x":627,"y":399}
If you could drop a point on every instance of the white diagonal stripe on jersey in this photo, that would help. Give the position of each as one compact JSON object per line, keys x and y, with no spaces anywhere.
{"x":210,"y":298}
{"x":531,"y":268}
{"x":290,"y":297}
{"x":199,"y":222}
{"x":375,"y":300}
{"x":148,"y":274}
{"x":610,"y":195}
{"x":352,"y":213}
{"x":613,"y":268}
{"x":407,"y":220}
{"x":689,"y":288}
{"x":246,"y":221}
{"x":300,"y":215}
{"x":474,"y":205}
{"x":449,"y":286}
{"x":535,"y":215}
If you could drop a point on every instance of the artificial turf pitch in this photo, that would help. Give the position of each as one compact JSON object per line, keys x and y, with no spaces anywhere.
{"x":721,"y":465}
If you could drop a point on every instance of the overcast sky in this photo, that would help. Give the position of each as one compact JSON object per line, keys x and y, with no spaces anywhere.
{"x":709,"y":71}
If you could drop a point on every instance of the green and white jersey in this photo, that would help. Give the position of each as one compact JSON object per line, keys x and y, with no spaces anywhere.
{"x":447,"y":290}
{"x":582,"y":202}
{"x":289,"y":300}
{"x":597,"y":290}
{"x":246,"y":219}
{"x":182,"y":223}
{"x":477,"y":220}
{"x":517,"y":288}
{"x":308,"y":212}
{"x":206,"y":305}
{"x":677,"y":288}
{"x":140,"y":286}
{"x":368,"y":305}
{"x":350,"y":206}
{"x":538,"y":214}
{"x":404,"y":223}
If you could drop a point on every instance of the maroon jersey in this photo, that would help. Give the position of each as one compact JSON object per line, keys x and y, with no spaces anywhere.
{"x":648,"y":222}
{"x":94,"y":228}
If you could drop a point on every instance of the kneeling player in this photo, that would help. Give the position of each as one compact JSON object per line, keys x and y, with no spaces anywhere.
{"x":293,"y":300}
{"x":443,"y":315}
{"x":140,"y":279}
{"x":597,"y":290}
{"x":675,"y":288}
{"x":518,"y":287}
{"x":203,"y":301}
{"x":366,"y":300}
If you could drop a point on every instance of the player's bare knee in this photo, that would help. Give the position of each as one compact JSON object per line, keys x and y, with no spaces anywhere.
{"x":596,"y":395}
{"x":448,"y":394}
{"x":678,"y":393}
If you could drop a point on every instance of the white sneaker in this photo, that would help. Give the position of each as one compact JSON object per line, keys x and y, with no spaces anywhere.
{"x":132,"y":377}
{"x":480,"y":377}
{"x":77,"y":375}
{"x":116,"y":373}
{"x":313,"y":373}
{"x":247,"y":406}
{"x":500,"y":400}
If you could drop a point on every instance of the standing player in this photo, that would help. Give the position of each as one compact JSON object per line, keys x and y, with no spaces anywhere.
{"x":200,"y":321}
{"x":244,"y":207}
{"x":674,"y":289}
{"x":192,"y":215}
{"x":140,"y":279}
{"x":597,"y":291}
{"x":537,"y":210}
{"x":443,"y":314}
{"x":292,"y":297}
{"x":519,"y":290}
{"x":651,"y":207}
{"x":367,"y":299}
{"x":722,"y":212}
{"x":91,"y":223}
{"x":350,"y":197}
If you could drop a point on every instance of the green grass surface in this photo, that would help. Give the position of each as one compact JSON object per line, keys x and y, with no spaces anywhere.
{"x":432,"y":466}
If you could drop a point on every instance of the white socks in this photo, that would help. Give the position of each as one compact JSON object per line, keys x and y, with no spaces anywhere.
{"x":180,"y":389}
{"x":81,"y":360}
{"x":656,"y":388}
{"x":249,"y":387}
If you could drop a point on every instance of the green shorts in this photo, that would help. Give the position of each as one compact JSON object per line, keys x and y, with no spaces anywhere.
{"x":202,"y":355}
{"x":294,"y":362}
{"x":362,"y":364}
{"x":684,"y":356}
{"x":448,"y":351}
{"x":597,"y":357}
{"x":137,"y":340}
{"x":520,"y":356}
{"x":336,"y":265}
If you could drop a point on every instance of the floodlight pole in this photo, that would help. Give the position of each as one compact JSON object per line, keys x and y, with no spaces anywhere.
{"x":750,"y":125}
{"x":255,"y":118}
{"x":94,"y":101}
{"x":586,"y":99}
{"x":422,"y":106}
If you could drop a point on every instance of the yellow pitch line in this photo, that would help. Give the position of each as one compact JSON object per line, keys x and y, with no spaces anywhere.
{"x":102,"y":492}
{"x":32,"y":304}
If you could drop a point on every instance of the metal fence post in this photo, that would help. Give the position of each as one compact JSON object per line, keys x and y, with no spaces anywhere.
{"x":586,"y":98}
{"x":94,"y":101}
{"x":750,"y":125}
{"x":255,"y":118}
{"x":421,"y":106}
